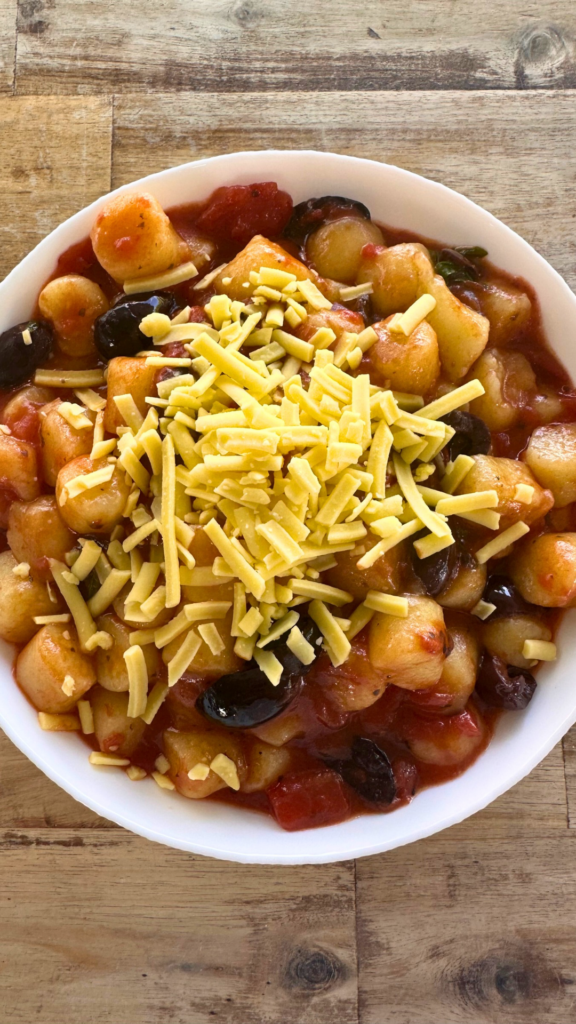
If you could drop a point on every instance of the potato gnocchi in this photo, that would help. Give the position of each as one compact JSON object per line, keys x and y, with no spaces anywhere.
{"x":288,"y":501}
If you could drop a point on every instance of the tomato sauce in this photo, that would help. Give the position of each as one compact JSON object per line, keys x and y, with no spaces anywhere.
{"x":229,"y":218}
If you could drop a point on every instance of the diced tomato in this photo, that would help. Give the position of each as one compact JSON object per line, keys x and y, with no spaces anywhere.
{"x":309,"y":799}
{"x":370,"y":250}
{"x":25,"y":423}
{"x":197,"y":315}
{"x":242,"y":211}
{"x":175,"y":350}
{"x":405,"y":777}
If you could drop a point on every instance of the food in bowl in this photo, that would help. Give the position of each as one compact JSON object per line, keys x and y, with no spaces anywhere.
{"x":288,"y":499}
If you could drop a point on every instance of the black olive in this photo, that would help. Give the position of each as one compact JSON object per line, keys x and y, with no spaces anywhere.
{"x":18,"y":361}
{"x":368,"y":770}
{"x":245,"y":699}
{"x":90,"y":585}
{"x":501,"y":592}
{"x":117,"y":332}
{"x":504,"y":686}
{"x":436,"y":571}
{"x":311,"y":214}
{"x":472,"y":436}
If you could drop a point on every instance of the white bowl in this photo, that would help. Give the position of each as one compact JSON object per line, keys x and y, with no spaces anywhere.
{"x":400,"y":199}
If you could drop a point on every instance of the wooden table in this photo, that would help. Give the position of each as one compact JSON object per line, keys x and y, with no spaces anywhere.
{"x":477,"y":924}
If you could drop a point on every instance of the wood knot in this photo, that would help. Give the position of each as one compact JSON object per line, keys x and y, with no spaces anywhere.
{"x":313,"y":970}
{"x":508,"y":976}
{"x":543,"y":56}
{"x":30,"y":21}
{"x":246,"y":13}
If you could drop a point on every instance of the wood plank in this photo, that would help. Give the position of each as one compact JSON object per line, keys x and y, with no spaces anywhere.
{"x":569,"y":745}
{"x":453,"y":931}
{"x":116,"y":929}
{"x":515,"y":154}
{"x":54,"y":159}
{"x":249,"y":46}
{"x":28,"y":799}
{"x":7,"y":44}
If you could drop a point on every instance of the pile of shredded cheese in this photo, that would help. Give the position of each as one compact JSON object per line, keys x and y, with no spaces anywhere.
{"x":281,"y":477}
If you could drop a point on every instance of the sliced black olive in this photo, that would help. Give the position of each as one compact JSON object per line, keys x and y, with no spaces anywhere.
{"x":117,"y":332}
{"x":456,"y":265}
{"x":436,"y":571}
{"x":311,"y":214}
{"x":368,"y":770}
{"x":245,"y":699}
{"x":504,"y":686}
{"x":472,"y":436}
{"x":18,"y":361}
{"x":501,"y":592}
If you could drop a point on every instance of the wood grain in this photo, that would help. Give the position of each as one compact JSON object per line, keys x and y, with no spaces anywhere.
{"x":117,"y":929}
{"x":7,"y":44}
{"x":453,"y":930}
{"x":54,"y":159}
{"x":476,"y":925}
{"x":569,"y":746}
{"x":252,"y":45}
{"x":28,"y":799}
{"x":507,"y":151}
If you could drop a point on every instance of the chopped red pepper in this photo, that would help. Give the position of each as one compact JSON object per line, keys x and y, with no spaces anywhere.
{"x":242,"y":211}
{"x":309,"y":799}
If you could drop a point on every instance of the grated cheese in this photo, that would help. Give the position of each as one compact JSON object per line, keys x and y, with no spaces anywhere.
{"x":407,"y":322}
{"x":86,"y":717}
{"x":539,"y":650}
{"x":453,"y":400}
{"x":47,"y":620}
{"x":460,"y":503}
{"x":137,"y":679}
{"x":456,"y":473}
{"x":166,"y":280}
{"x":210,"y":635}
{"x":224,"y":767}
{"x":483,"y":609}
{"x":22,"y":570}
{"x":74,"y":416}
{"x":108,"y":592}
{"x":135,"y":773}
{"x":91,"y":399}
{"x":386,"y":603}
{"x":85,"y":625}
{"x":199,"y":772}
{"x":87,"y":559}
{"x":269,"y":664}
{"x":154,"y":702}
{"x":524,"y":493}
{"x":163,"y":781}
{"x":337,"y":643}
{"x":181,"y":660}
{"x":69,"y":378}
{"x":501,"y":542}
{"x":360,"y":618}
{"x":107,"y":760}
{"x":300,"y":646}
{"x":68,"y":686}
